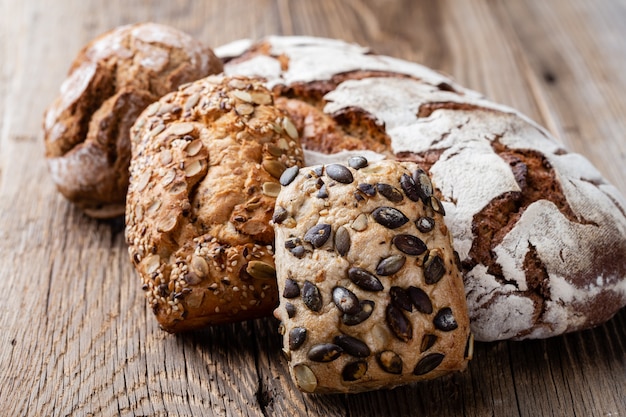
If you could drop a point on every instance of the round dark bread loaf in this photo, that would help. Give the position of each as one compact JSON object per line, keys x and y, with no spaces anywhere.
{"x":112,"y":79}
{"x":540,"y":233}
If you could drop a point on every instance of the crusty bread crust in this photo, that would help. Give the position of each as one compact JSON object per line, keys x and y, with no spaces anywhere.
{"x":541,"y":234}
{"x":110,"y":82}
{"x":205,"y":165}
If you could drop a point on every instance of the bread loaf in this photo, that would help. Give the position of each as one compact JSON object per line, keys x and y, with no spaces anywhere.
{"x":540,"y":233}
{"x":110,"y":82}
{"x":371,"y":296}
{"x":203,"y":183}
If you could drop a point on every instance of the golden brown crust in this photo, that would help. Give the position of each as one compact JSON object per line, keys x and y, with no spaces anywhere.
{"x":110,"y":82}
{"x":204,"y":178}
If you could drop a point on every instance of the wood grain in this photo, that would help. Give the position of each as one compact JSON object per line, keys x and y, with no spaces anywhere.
{"x":76,"y":337}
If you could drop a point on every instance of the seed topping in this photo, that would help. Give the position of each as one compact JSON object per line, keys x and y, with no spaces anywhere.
{"x":297,"y":336}
{"x":398,"y":323}
{"x":389,"y":217}
{"x":364,"y":279}
{"x":444,"y":320}
{"x":342,"y":241}
{"x":410,"y":188}
{"x":428,"y":363}
{"x":357,"y":162}
{"x":390,"y":362}
{"x":409,"y":244}
{"x":366,"y":309}
{"x":390,"y":265}
{"x":352,"y":345}
{"x":400,"y":298}
{"x":289,"y":175}
{"x":420,"y":300}
{"x":324,"y":352}
{"x":318,"y":234}
{"x":339,"y":173}
{"x":345,"y":300}
{"x":311,"y":296}
{"x":354,"y":371}
{"x":389,"y":192}
{"x":425,"y":224}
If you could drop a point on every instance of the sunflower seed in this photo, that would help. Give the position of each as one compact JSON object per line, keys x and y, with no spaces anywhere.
{"x":400,"y":298}
{"x":342,"y":241}
{"x":261,"y":270}
{"x":390,"y":265}
{"x":324,"y":352}
{"x":345,"y":300}
{"x":242,"y":95}
{"x":357,"y":162}
{"x":434,"y":268}
{"x":425,"y":224}
{"x":367,"y":189}
{"x":410,"y":188}
{"x":420,"y":300}
{"x":194,"y":147}
{"x":274,"y":150}
{"x":354,"y":371}
{"x":274,"y":168}
{"x":181,"y":129}
{"x":199,"y":266}
{"x":292,"y":289}
{"x":289,"y":175}
{"x":411,"y":245}
{"x":444,"y":320}
{"x":318,"y":234}
{"x":339,"y":173}
{"x":244,"y":109}
{"x":311,"y":296}
{"x":305,"y":378}
{"x":297,"y":336}
{"x":428,"y":363}
{"x":428,"y":341}
{"x":352,"y":345}
{"x":389,"y":192}
{"x":260,"y":97}
{"x":366,"y":309}
{"x":389,"y":217}
{"x":390,"y":362}
{"x":364,"y":279}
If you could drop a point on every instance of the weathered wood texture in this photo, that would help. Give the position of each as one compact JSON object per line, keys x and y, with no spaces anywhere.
{"x":75,"y":335}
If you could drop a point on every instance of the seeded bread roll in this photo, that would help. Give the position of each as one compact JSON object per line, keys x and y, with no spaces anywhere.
{"x":371,"y":296}
{"x":110,"y":82}
{"x":540,"y":233}
{"x":204,"y":179}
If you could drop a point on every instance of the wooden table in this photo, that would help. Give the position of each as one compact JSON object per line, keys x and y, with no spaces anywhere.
{"x":76,"y":337}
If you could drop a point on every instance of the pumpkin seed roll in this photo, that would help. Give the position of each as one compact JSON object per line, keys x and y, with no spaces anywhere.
{"x":370,"y":291}
{"x":203,"y":182}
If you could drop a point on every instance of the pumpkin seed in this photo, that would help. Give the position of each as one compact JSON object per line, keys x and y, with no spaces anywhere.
{"x":367,"y":189}
{"x":305,"y":378}
{"x":434,"y":268}
{"x":444,"y":320}
{"x":366,"y":309}
{"x":274,"y":168}
{"x":324,"y":352}
{"x":357,"y":162}
{"x":261,"y":270}
{"x":323,"y":192}
{"x":271,"y":189}
{"x":342,"y":241}
{"x":311,"y":296}
{"x":400,"y":298}
{"x":420,"y":300}
{"x":364,"y":279}
{"x":354,"y":371}
{"x":389,"y":217}
{"x":291,"y":310}
{"x":398,"y":323}
{"x":390,"y":362}
{"x":292,"y":289}
{"x":425,"y":224}
{"x":428,"y":341}
{"x":409,"y":244}
{"x":339,"y":173}
{"x":390,"y":265}
{"x":424,"y":186}
{"x":437,"y":206}
{"x":352,"y":345}
{"x":280,"y":215}
{"x":289,"y":175}
{"x":318,"y":234}
{"x":297,"y":336}
{"x":428,"y":363}
{"x":389,"y":192}
{"x":410,"y":188}
{"x":345,"y":300}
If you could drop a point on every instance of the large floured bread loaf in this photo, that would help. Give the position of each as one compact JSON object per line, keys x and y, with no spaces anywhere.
{"x":371,"y":295}
{"x":112,"y":79}
{"x":203,"y":183}
{"x":540,"y":233}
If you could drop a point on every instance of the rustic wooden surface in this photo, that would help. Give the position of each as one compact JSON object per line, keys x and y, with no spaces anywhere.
{"x":76,"y":337}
